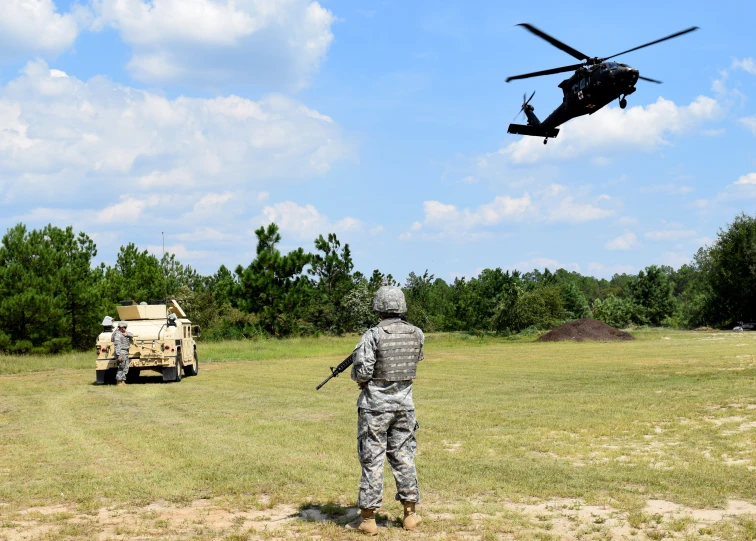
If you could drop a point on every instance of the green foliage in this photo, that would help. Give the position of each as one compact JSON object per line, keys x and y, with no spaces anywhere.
{"x":652,"y":293}
{"x":274,"y":286}
{"x":727,"y":293}
{"x":615,"y":311}
{"x":49,"y":290}
{"x":332,"y":270}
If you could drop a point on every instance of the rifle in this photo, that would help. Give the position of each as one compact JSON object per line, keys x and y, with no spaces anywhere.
{"x":346,"y":363}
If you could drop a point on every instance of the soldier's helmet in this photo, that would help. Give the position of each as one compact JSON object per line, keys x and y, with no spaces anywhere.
{"x":389,"y":300}
{"x":123,"y":324}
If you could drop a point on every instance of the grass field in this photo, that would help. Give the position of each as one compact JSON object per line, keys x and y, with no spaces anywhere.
{"x":647,"y":439}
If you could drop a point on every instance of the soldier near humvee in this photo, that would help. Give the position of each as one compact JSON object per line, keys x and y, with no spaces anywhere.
{"x":385,"y":363}
{"x":121,"y":344}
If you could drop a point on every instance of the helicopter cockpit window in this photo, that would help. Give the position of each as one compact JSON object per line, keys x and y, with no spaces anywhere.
{"x":574,"y":89}
{"x":582,"y":84}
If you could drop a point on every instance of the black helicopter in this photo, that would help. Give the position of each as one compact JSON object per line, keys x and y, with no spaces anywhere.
{"x":594,"y":84}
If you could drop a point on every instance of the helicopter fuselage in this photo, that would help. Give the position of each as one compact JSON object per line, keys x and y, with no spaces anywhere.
{"x":588,"y":90}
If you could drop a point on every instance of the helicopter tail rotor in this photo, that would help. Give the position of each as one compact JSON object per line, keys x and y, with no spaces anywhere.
{"x":526,"y":107}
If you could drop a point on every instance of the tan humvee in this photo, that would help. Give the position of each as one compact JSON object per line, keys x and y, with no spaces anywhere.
{"x":163,"y":341}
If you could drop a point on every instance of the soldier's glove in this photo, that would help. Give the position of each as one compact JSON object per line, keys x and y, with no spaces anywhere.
{"x":362,"y":385}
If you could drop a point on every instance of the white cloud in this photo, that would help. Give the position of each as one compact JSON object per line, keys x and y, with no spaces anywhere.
{"x":61,"y":137}
{"x":305,"y":222}
{"x":212,"y":41}
{"x":749,"y":122}
{"x":470,"y":179}
{"x":34,"y":27}
{"x":181,"y":252}
{"x":671,"y":188}
{"x":746,"y":64}
{"x":626,"y":241}
{"x":749,"y":179}
{"x":128,"y":209}
{"x":609,"y":270}
{"x":670,"y":234}
{"x":627,"y":220}
{"x":567,"y":210}
{"x":643,"y":128}
{"x":545,"y":263}
{"x":446,"y":221}
{"x":675,"y":259}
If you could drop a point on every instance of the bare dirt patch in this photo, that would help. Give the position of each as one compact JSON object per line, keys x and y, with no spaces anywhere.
{"x":205,"y":519}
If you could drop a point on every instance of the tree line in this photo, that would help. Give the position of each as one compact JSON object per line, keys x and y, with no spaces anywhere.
{"x":53,"y":295}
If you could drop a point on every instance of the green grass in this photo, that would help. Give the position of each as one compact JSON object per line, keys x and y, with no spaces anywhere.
{"x":671,"y":415}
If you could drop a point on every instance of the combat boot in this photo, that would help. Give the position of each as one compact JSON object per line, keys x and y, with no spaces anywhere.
{"x":411,"y":519}
{"x":121,"y":384}
{"x":365,"y":522}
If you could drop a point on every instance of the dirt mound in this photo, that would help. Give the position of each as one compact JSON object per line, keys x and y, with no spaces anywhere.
{"x":584,"y":329}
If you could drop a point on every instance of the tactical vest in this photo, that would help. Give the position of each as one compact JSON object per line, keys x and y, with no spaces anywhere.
{"x":398,"y":351}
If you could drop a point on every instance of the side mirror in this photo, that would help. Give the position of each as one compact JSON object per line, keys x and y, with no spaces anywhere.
{"x":196,"y":331}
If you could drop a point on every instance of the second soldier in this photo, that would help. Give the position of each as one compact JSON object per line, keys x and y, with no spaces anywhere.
{"x":385,"y":363}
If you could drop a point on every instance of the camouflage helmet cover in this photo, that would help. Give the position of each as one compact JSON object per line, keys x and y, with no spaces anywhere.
{"x":389,"y":300}
{"x":123,"y":324}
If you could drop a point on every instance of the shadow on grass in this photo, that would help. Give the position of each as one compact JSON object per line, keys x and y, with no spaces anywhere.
{"x":152,"y":379}
{"x":340,"y":515}
{"x":327,"y":512}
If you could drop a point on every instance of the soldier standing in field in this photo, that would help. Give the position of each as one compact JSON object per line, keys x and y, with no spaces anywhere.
{"x":385,"y":363}
{"x":122,"y":342}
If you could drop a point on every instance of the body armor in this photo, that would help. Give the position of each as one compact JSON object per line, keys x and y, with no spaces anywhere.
{"x":398,"y":351}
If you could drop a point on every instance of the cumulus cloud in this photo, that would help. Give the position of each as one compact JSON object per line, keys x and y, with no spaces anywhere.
{"x":750,"y":178}
{"x":626,"y":241}
{"x":643,"y":128}
{"x":34,"y":27}
{"x":305,"y":222}
{"x":745,"y":64}
{"x":545,"y":263}
{"x":749,"y":122}
{"x":267,"y":42}
{"x":58,"y":134}
{"x":602,"y":270}
{"x":670,"y":234}
{"x":548,"y":205}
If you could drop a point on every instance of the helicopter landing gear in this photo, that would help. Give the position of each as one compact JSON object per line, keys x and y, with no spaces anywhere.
{"x":623,"y":103}
{"x":545,"y":140}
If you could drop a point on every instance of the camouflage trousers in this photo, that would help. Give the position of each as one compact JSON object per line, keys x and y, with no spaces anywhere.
{"x":389,"y":434}
{"x":123,"y":367}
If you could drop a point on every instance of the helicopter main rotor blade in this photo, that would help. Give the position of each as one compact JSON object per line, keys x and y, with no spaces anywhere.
{"x":653,"y":42}
{"x":573,"y":67}
{"x":649,"y":79}
{"x":555,"y":42}
{"x":524,"y":102}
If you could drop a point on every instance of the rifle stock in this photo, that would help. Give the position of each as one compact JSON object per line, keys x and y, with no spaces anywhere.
{"x":346,"y":363}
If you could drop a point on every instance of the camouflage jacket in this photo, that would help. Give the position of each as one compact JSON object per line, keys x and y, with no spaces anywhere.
{"x":378,"y":395}
{"x":122,"y":343}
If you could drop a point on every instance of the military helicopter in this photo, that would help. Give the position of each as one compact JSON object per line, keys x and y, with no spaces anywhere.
{"x":594,"y":84}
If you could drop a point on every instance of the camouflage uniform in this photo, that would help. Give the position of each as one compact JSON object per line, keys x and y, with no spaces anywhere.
{"x":386,"y":423}
{"x":121,"y":345}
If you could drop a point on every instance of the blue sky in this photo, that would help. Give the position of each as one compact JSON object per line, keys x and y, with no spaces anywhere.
{"x":382,"y":121}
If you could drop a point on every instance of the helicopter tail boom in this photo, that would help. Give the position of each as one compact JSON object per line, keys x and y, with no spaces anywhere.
{"x":535,"y":131}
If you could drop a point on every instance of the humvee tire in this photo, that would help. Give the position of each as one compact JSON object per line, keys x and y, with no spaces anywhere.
{"x":173,"y":373}
{"x":106,"y":377}
{"x":192,"y":369}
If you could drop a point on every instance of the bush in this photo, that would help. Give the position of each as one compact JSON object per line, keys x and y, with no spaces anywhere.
{"x":22,"y":346}
{"x":615,"y":311}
